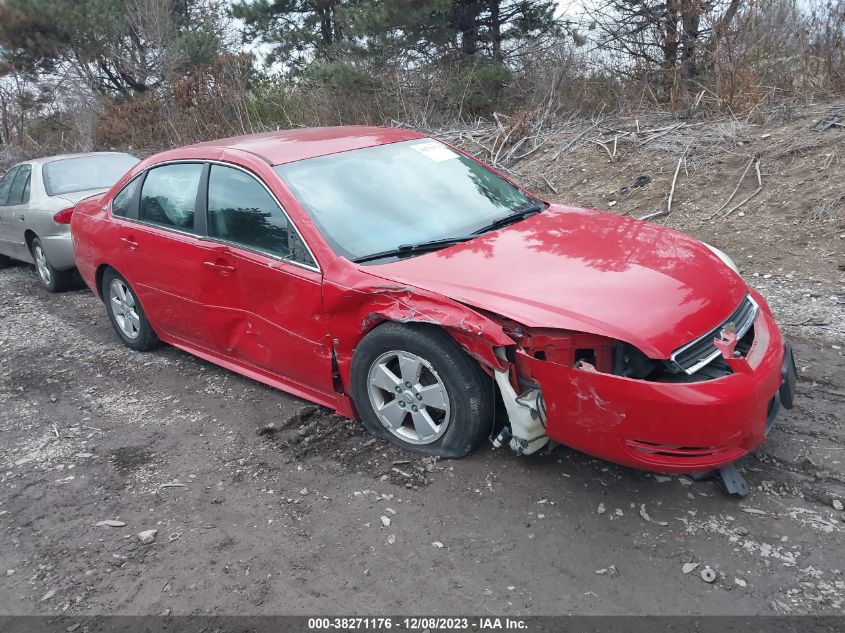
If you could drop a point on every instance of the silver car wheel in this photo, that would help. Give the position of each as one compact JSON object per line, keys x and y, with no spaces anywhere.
{"x":41,"y":264}
{"x":123,"y":308}
{"x":409,"y":397}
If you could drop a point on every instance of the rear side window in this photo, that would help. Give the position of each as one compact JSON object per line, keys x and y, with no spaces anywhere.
{"x":19,"y":191}
{"x":123,"y":200}
{"x":169,"y":196}
{"x":242,"y":211}
{"x":6,"y":184}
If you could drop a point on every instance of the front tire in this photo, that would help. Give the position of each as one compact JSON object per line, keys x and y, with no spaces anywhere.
{"x":414,"y":386}
{"x":126,"y":314}
{"x":53,"y":280}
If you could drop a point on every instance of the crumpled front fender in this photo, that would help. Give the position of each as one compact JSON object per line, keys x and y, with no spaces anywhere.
{"x":356,"y":302}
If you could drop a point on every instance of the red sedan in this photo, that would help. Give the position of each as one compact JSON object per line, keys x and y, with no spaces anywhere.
{"x":393,"y":278}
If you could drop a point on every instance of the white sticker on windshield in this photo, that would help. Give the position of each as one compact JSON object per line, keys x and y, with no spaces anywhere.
{"x":434,"y":151}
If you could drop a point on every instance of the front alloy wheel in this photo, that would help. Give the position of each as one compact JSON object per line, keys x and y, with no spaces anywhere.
{"x":409,"y":397}
{"x":414,"y":386}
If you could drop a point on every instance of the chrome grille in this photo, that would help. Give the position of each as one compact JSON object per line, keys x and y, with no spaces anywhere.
{"x":695,"y":355}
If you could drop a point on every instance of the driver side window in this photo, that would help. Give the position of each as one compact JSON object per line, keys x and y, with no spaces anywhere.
{"x":242,"y":211}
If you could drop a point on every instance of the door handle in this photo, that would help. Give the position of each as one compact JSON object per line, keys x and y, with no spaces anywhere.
{"x":130,"y":242}
{"x":220,"y":266}
{"x":21,"y":218}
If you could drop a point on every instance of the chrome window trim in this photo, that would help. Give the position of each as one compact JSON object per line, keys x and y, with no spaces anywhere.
{"x":285,"y":259}
{"x":169,"y":229}
{"x":207,"y":238}
{"x":740,"y":332}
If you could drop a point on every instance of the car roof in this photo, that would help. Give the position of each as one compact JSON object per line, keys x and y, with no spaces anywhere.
{"x":287,"y":146}
{"x":49,"y":159}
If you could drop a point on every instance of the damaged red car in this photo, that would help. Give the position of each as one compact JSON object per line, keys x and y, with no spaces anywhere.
{"x":395,"y":279}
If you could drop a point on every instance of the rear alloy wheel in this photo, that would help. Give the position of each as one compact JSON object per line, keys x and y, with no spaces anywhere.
{"x":126,"y":314}
{"x":416,"y":387}
{"x":53,"y":280}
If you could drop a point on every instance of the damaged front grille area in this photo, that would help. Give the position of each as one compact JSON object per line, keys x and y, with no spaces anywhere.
{"x":702,"y":351}
{"x":697,"y":361}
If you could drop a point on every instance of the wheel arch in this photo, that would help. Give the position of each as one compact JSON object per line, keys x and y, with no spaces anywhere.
{"x":354,"y":312}
{"x":481,"y":350}
{"x":465,"y":413}
{"x":29,"y":237}
{"x":473,"y":342}
{"x":99,"y":273}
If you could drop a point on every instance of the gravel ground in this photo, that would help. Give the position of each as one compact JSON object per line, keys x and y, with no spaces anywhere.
{"x":311,"y":516}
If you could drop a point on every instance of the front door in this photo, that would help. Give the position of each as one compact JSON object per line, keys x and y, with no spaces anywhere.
{"x":261,"y":287}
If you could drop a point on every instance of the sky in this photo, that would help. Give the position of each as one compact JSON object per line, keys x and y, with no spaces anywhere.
{"x":570,"y":6}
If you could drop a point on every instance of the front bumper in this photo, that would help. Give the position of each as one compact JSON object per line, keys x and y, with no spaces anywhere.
{"x":669,"y":427}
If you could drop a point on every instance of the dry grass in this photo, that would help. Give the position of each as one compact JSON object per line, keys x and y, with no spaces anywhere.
{"x":830,"y":210}
{"x":795,"y":222}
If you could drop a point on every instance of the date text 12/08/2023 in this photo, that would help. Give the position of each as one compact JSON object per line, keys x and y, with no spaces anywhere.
{"x":417,"y":623}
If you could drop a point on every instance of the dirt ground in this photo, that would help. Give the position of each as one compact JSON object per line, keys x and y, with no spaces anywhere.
{"x":312,"y":516}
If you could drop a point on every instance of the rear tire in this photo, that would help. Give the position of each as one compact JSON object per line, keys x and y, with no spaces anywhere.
{"x":414,"y":386}
{"x":126,"y":313}
{"x":5,"y":262}
{"x":53,"y":280}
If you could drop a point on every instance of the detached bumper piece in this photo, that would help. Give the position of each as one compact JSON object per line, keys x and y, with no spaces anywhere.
{"x":527,"y":432}
{"x":785,"y":397}
{"x":790,"y":377}
{"x":734,"y":482}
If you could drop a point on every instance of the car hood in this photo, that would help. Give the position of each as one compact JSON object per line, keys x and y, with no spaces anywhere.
{"x":584,"y":270}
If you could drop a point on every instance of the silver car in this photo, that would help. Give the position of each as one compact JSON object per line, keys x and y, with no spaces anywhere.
{"x":37,"y":198}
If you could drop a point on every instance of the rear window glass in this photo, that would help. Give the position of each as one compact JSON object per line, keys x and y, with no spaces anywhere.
{"x":121,"y":202}
{"x":169,"y":194}
{"x":84,"y":173}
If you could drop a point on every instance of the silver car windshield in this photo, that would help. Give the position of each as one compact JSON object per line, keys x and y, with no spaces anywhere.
{"x":83,"y":173}
{"x":375,"y":199}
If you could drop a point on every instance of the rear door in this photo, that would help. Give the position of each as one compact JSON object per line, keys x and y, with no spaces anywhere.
{"x":262,"y":286}
{"x":160,"y":251}
{"x":13,"y":212}
{"x":6,"y":241}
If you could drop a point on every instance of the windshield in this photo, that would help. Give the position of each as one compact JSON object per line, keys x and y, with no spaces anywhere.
{"x":375,"y":199}
{"x":83,"y":173}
